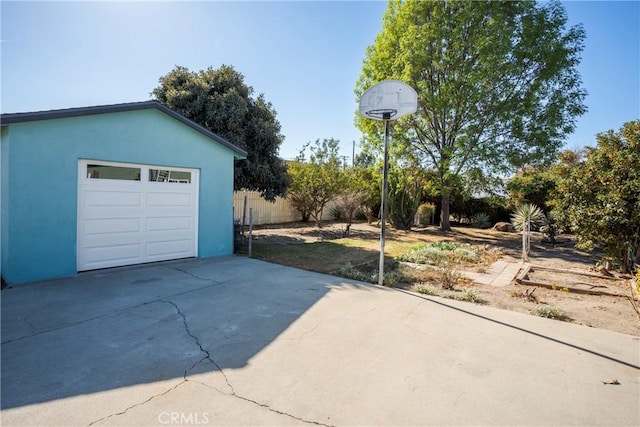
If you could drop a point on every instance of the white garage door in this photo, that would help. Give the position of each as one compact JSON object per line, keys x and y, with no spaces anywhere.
{"x":131,"y":214}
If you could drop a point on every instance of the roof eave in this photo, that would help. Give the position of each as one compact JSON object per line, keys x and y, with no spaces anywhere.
{"x":6,"y":119}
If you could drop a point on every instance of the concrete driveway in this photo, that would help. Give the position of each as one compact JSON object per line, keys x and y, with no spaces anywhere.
{"x":235,"y":341}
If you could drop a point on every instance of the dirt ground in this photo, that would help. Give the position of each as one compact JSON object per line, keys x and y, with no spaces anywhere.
{"x":615,"y":313}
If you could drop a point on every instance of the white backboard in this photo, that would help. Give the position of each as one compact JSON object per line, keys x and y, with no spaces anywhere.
{"x":388,"y":100}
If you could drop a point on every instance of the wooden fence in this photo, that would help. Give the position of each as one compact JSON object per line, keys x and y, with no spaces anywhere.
{"x":265,"y":212}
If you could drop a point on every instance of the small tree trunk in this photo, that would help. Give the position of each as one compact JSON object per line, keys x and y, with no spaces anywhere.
{"x":318,"y":216}
{"x":444,"y":214}
{"x":625,"y":266}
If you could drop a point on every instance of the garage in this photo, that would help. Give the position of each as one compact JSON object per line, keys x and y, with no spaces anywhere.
{"x":110,"y":185}
{"x":132,"y":214}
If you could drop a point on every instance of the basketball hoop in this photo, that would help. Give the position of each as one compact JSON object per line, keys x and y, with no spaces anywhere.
{"x":387,"y":100}
{"x":382,"y":114}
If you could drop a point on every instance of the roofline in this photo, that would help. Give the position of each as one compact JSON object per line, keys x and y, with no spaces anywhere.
{"x":6,"y":119}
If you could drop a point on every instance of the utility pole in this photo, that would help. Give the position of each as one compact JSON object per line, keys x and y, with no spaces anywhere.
{"x":344,"y":162}
{"x":353,"y":153}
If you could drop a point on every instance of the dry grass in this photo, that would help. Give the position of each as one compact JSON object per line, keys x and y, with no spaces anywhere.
{"x":325,"y":251}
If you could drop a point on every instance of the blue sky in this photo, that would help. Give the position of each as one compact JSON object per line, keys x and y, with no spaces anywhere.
{"x":304,"y":56}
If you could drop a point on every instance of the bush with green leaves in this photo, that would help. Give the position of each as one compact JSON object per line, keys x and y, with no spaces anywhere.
{"x":424,"y":289}
{"x":466,"y":296}
{"x":549,"y":312}
{"x":391,"y":276}
{"x":598,"y":198}
{"x":426,"y":211}
{"x":316,"y":179}
{"x":436,"y":253}
{"x":350,"y":272}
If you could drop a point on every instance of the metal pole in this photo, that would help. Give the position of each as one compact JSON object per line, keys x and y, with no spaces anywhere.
{"x":383,"y":205}
{"x":250,"y":230}
{"x":353,"y":152}
{"x":244,"y":215}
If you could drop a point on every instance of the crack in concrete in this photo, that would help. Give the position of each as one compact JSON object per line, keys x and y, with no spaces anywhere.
{"x":226,"y":379}
{"x":100,"y":316}
{"x":68,"y":325}
{"x":115,"y":414}
{"x":207,"y":356}
{"x":26,"y":320}
{"x":188,"y":273}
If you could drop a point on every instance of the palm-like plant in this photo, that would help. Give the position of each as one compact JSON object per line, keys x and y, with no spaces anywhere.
{"x":528,"y":214}
{"x":481,"y":220}
{"x":525,"y":217}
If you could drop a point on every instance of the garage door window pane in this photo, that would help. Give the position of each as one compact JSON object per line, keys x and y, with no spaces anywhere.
{"x":164,"y":175}
{"x":113,"y":172}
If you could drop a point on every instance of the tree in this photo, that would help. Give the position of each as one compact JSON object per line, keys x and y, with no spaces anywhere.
{"x":221,"y":101}
{"x":353,"y":195}
{"x":370,"y":180}
{"x":599,"y":198}
{"x":497,"y":84}
{"x":532,"y":185}
{"x":316,"y":181}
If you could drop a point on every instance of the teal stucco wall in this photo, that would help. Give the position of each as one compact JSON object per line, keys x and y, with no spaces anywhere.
{"x":39,"y":183}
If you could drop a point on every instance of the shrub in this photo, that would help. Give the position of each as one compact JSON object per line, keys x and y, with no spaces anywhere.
{"x":426,"y":211}
{"x":350,"y":272}
{"x":423,"y":288}
{"x":448,"y":274}
{"x":549,"y":312}
{"x":437,"y":252}
{"x":425,"y":254}
{"x":481,"y":220}
{"x":531,"y":212}
{"x":467,"y":255}
{"x":445,"y":246}
{"x":391,"y":278}
{"x":403,"y":201}
{"x":466,"y":296}
{"x":337,"y":213}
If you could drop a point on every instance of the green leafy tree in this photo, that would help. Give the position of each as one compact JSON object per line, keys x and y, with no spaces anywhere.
{"x":222,"y":102}
{"x":599,"y":198}
{"x":370,"y":180}
{"x":317,"y":180}
{"x":497,"y":84}
{"x":355,"y":192}
{"x":532,"y":185}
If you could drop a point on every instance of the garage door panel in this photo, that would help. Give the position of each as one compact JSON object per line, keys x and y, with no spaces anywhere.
{"x":107,"y":255}
{"x":169,"y":199}
{"x":101,"y":226}
{"x":169,"y":248}
{"x":180,"y":223}
{"x":124,"y":222}
{"x":111,"y":198}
